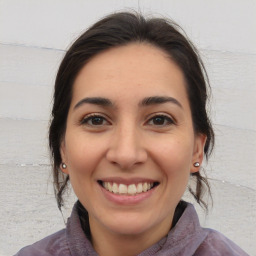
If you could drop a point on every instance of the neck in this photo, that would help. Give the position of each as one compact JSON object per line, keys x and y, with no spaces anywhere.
{"x":107,"y":243}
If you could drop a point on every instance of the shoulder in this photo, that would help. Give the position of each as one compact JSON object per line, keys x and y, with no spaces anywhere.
{"x":55,"y":244}
{"x":217,"y":244}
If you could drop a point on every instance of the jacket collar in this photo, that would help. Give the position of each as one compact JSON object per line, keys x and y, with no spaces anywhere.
{"x":183,"y":239}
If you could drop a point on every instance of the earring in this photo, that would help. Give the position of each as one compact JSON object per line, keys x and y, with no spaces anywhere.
{"x":196,"y":164}
{"x":64,"y":166}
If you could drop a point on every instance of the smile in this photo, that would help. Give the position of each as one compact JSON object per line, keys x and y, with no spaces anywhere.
{"x":129,"y":190}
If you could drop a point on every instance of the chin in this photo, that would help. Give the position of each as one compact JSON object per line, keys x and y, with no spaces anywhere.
{"x":126,"y":229}
{"x":127,"y":224}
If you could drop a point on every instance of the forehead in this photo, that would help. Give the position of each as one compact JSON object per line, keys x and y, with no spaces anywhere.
{"x":138,"y":68}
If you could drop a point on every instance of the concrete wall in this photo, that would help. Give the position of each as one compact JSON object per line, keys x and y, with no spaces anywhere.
{"x":33,"y":37}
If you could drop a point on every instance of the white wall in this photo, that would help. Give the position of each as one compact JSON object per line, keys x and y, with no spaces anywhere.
{"x":33,"y":37}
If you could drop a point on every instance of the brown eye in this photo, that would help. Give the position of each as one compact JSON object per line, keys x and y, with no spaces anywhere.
{"x":97,"y":120}
{"x":94,"y":120}
{"x":160,"y":120}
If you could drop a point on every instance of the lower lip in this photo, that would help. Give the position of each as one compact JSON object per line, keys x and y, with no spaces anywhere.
{"x":127,"y":200}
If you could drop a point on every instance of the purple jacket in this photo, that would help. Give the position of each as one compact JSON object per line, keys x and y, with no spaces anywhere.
{"x":187,"y":238}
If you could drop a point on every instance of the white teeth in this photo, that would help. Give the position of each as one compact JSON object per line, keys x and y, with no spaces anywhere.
{"x":122,"y":189}
{"x":131,"y":189}
{"x":139,"y":188}
{"x":115,"y":188}
{"x":109,"y":186}
{"x":145,"y":187}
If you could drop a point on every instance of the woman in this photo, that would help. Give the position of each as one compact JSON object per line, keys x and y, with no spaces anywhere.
{"x":129,"y":127}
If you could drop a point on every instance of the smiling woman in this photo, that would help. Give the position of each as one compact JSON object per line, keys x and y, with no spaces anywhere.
{"x":129,"y":128}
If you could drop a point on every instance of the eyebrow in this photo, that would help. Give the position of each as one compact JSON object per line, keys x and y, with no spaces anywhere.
{"x":154,"y":100}
{"x":159,"y":100}
{"x":96,"y":101}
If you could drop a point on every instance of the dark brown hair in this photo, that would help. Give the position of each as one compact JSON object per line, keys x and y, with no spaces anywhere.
{"x":117,"y":30}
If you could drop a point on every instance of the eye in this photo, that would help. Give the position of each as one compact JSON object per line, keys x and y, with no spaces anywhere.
{"x":160,"y":120}
{"x":94,"y":120}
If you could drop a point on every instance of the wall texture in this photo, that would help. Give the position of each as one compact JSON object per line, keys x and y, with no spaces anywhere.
{"x":33,"y":39}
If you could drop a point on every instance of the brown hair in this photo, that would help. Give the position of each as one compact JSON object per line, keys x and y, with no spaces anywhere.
{"x":116,"y":30}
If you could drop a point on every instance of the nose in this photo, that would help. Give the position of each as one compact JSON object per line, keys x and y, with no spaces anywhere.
{"x":126,"y":148}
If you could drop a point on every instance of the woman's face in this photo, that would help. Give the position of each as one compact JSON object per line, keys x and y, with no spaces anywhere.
{"x":129,"y":144}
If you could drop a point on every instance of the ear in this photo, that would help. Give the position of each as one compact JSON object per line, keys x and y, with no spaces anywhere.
{"x":198,"y":154}
{"x":63,"y":156}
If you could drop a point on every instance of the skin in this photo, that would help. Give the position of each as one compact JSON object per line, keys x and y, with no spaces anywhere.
{"x":128,"y":140}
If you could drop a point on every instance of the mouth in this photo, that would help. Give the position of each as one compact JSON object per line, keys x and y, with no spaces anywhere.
{"x":128,"y":189}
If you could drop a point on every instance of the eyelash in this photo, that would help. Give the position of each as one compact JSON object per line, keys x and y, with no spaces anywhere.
{"x":87,"y":119}
{"x":166,"y":119}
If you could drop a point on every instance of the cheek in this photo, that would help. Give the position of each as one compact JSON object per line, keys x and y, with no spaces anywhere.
{"x":175,"y":158}
{"x":82,"y":159}
{"x":83,"y":153}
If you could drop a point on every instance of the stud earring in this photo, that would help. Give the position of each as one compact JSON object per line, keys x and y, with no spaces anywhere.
{"x":196,"y":164}
{"x":64,"y":166}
